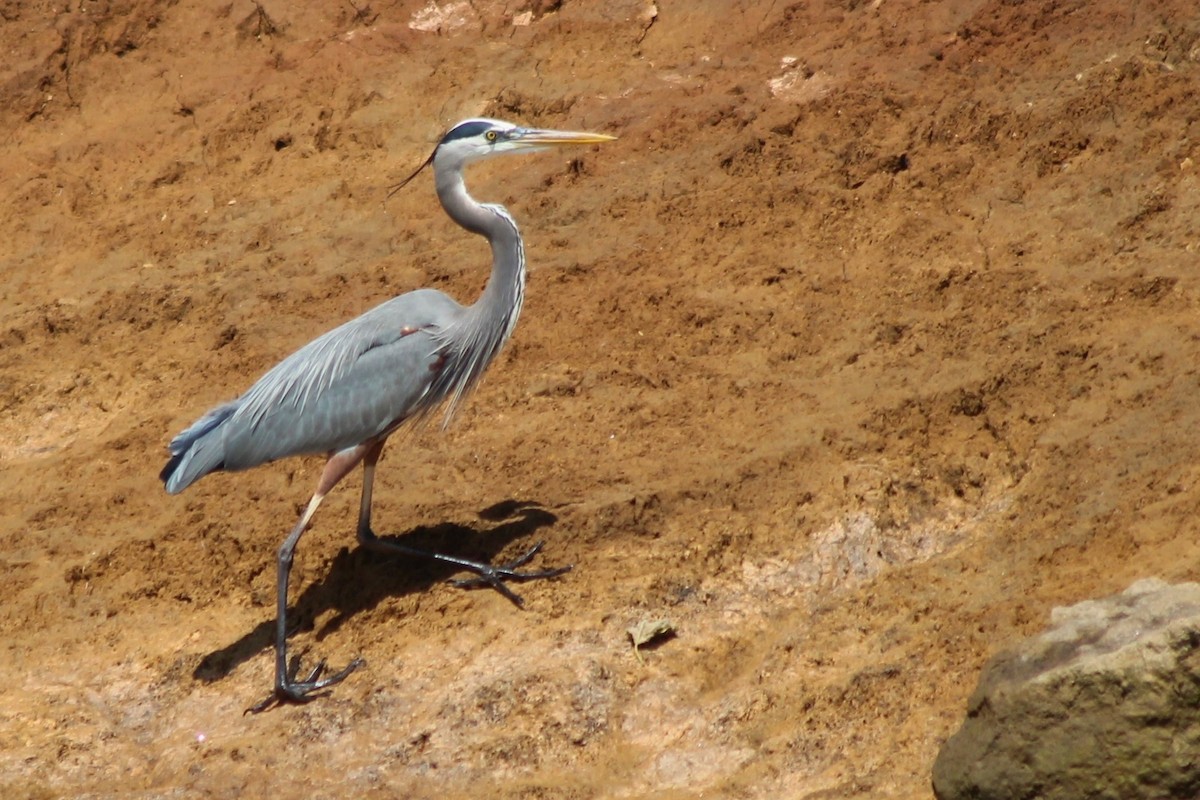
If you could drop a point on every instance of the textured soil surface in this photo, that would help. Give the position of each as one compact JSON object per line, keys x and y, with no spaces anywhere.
{"x":872,"y":339}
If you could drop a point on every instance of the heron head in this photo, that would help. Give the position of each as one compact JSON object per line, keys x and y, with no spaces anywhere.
{"x":476,"y":139}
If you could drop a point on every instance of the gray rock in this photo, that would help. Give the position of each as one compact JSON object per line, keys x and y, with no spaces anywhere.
{"x":1105,"y":704}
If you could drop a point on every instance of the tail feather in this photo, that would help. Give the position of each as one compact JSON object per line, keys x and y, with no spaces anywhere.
{"x":197,"y":451}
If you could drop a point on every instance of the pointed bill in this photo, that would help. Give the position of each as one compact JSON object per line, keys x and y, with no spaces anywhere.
{"x":539,"y":137}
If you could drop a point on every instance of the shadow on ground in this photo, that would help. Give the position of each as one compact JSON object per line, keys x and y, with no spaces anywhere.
{"x":359,"y":579}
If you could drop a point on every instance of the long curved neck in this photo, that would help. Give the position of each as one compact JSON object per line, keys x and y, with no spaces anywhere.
{"x":477,"y":336}
{"x":506,"y":287}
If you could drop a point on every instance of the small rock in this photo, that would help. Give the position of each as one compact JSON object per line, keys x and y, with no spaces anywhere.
{"x":647,"y":631}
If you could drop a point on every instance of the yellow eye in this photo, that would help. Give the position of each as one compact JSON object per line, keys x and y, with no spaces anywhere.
{"x":490,"y":136}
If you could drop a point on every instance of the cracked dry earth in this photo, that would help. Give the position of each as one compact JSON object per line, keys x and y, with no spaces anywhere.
{"x":871,"y":340}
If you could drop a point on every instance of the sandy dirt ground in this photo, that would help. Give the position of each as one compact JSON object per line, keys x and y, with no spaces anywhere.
{"x":872,"y":339}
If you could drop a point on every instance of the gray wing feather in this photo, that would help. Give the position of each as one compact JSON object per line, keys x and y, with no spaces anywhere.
{"x":345,"y":387}
{"x":341,"y":389}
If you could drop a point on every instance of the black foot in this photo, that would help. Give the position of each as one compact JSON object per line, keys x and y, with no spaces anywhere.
{"x":292,"y":691}
{"x":494,"y":577}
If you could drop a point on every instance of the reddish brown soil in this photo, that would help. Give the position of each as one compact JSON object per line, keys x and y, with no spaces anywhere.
{"x":872,"y":339}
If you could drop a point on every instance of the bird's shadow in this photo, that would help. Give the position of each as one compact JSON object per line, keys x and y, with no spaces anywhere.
{"x":359,"y":579}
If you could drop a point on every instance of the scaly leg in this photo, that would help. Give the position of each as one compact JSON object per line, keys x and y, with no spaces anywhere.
{"x":488,"y":575}
{"x":287,"y":688}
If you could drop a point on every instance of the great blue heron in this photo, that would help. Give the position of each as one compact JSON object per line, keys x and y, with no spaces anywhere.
{"x":345,"y":392}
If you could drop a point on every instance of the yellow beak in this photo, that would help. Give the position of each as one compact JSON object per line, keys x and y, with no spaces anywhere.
{"x":539,"y":138}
